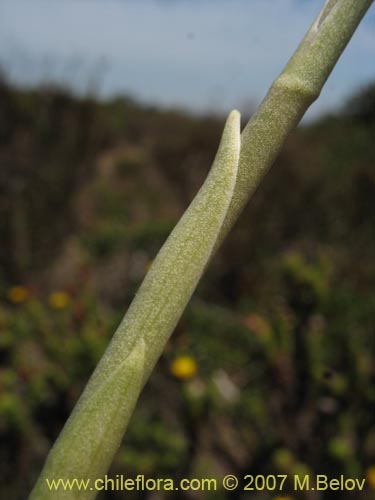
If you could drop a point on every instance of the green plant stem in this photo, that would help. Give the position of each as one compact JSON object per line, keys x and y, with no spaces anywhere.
{"x":94,"y":431}
{"x":290,"y":95}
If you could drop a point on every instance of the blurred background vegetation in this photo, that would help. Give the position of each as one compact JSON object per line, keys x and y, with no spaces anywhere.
{"x":271,"y":369}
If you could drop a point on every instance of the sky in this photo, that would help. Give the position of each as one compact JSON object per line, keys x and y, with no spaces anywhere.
{"x":201,"y":55}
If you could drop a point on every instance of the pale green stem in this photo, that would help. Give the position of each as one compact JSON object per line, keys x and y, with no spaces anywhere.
{"x":291,"y":94}
{"x":95,"y":429}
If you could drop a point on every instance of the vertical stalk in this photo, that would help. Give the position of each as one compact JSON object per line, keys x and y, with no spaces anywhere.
{"x":290,"y":95}
{"x":94,"y":431}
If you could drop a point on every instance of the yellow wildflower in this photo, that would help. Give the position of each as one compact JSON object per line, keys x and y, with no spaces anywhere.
{"x":370,"y":476}
{"x":184,"y":367}
{"x":17,"y":294}
{"x":59,"y":300}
